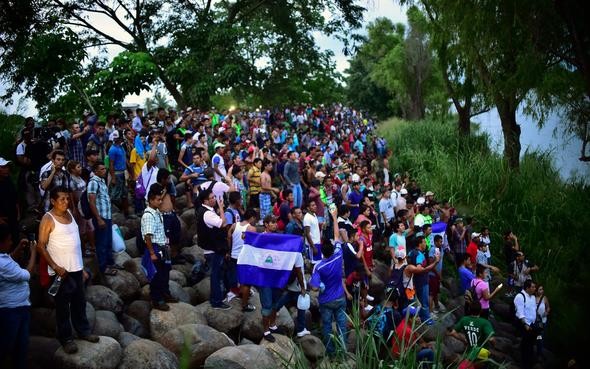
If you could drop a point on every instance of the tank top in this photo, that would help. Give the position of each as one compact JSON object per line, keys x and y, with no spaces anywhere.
{"x":542,"y":310}
{"x":237,"y":241}
{"x":64,"y":246}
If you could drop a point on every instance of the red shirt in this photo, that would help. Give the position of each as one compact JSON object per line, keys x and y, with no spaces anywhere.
{"x":404,"y":338}
{"x":368,"y":252}
{"x":472,"y":252}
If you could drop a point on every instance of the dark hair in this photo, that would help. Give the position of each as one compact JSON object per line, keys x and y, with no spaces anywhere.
{"x":343,"y":209}
{"x":234,"y":197}
{"x":156,"y":189}
{"x":527,"y":284}
{"x":396,"y":225}
{"x":480,"y":270}
{"x":54,"y":193}
{"x":209,"y":172}
{"x":475,"y":307}
{"x":101,"y":124}
{"x":287,"y":192}
{"x":204,"y":195}
{"x":419,"y":240}
{"x":96,"y":165}
{"x":363,"y":224}
{"x":294,"y":208}
{"x":250,"y":213}
{"x":327,"y":248}
{"x":90,"y":152}
{"x":438,"y":237}
{"x":362,"y":208}
{"x":56,"y":153}
{"x":235,"y":170}
{"x":426,"y":226}
{"x":256,"y":160}
{"x":162,"y":174}
{"x":266,"y":162}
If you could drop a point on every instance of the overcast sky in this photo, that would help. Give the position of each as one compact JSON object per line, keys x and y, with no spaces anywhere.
{"x":375,"y":9}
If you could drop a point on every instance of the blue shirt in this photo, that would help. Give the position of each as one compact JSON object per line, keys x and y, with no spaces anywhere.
{"x":117,"y":155}
{"x":355,"y":198}
{"x":329,"y":272}
{"x":465,"y":277}
{"x":196,"y":169}
{"x":14,"y":283}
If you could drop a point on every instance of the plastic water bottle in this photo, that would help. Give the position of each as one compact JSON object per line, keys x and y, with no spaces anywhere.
{"x":54,"y":289}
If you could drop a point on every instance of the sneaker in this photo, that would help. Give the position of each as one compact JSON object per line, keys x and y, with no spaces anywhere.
{"x":368,"y":307}
{"x":269,"y":337}
{"x":370,"y":298}
{"x":160,"y":305}
{"x":303,"y":333}
{"x":222,"y":306}
{"x":230,"y":296}
{"x":90,"y":338}
{"x":70,"y":347}
{"x":248,"y":308}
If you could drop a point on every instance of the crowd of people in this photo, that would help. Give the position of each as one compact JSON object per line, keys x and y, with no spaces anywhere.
{"x":320,"y":173}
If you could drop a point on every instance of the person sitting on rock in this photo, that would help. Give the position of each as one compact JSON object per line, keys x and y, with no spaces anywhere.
{"x":475,"y":332}
{"x":406,"y":337}
{"x":59,"y":244}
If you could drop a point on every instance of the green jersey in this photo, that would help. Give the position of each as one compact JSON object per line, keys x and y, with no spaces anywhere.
{"x":477,"y":330}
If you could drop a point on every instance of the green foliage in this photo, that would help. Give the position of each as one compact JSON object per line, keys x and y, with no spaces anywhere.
{"x":534,"y":203}
{"x":10,"y":124}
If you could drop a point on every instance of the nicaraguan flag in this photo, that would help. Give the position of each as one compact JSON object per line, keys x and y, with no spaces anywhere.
{"x":267,"y":259}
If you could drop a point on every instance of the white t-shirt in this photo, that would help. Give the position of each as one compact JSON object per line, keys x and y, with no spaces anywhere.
{"x":149,"y":177}
{"x":218,"y":159}
{"x":386,"y":206}
{"x":400,"y":204}
{"x":20,"y":148}
{"x":219,"y":188}
{"x":311,"y":221}
{"x":294,"y":286}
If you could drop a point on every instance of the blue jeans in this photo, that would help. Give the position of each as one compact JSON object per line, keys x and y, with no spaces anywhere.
{"x":14,"y":336}
{"x":425,"y":354}
{"x":269,"y":298}
{"x":334,"y":310}
{"x":216,"y":266}
{"x":422,"y":296}
{"x":297,"y":195}
{"x":291,"y":297}
{"x":104,"y":243}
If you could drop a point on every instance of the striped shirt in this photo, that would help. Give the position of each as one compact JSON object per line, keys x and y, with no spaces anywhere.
{"x":153,"y":224}
{"x":98,"y":187}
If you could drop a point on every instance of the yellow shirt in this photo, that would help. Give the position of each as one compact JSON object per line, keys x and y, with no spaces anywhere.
{"x":137,"y":163}
{"x":254,"y":180}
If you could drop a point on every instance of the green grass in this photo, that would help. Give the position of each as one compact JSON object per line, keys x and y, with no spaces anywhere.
{"x":548,"y":215}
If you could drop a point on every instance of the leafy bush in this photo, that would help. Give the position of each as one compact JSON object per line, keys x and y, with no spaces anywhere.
{"x":9,"y":127}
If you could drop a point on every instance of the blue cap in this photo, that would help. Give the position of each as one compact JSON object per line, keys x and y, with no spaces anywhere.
{"x":410,"y":310}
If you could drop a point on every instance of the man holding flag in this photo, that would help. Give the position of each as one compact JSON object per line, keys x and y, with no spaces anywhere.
{"x":266,"y":261}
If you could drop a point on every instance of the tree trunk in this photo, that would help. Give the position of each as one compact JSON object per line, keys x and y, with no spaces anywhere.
{"x":464,"y":121}
{"x":172,"y":88}
{"x":511,"y":132}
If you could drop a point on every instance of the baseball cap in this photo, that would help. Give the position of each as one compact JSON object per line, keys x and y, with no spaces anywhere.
{"x":114,"y":135}
{"x":403,"y":191}
{"x":320,"y":175}
{"x":420,"y":200}
{"x":4,"y":162}
{"x":475,"y":234}
{"x":429,"y":193}
{"x":400,"y":253}
{"x":218,"y":145}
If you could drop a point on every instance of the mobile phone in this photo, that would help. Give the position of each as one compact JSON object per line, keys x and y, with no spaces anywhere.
{"x":500,"y":286}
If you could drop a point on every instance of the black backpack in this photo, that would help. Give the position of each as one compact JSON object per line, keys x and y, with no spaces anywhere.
{"x":397,"y":286}
{"x":471,"y":294}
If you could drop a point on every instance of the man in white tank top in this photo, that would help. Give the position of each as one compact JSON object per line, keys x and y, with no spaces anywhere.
{"x":59,"y":244}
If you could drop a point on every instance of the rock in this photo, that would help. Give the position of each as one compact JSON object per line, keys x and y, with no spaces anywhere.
{"x":126,"y":338}
{"x":41,"y":352}
{"x":503,"y":344}
{"x":454,"y":344}
{"x":121,"y":258}
{"x":313,"y":348}
{"x":134,"y":326}
{"x":226,"y":321}
{"x":283,"y":349}
{"x":181,"y":189}
{"x":103,"y":298}
{"x":185,"y":268}
{"x":118,"y":219}
{"x":43,"y":322}
{"x":201,"y":341}
{"x":124,"y":284}
{"x":203,"y":290}
{"x":178,"y":277}
{"x":186,"y":232}
{"x":504,"y":329}
{"x":107,"y":324}
{"x":105,"y":354}
{"x":246,"y":341}
{"x":181,"y":203}
{"x":242,"y":357}
{"x":140,"y":310}
{"x":192,"y":295}
{"x":149,"y":355}
{"x":133,"y":224}
{"x":376,"y":286}
{"x":452,"y":285}
{"x":131,"y":247}
{"x":501,"y":309}
{"x":177,"y":291}
{"x":90,"y":314}
{"x":189,"y":216}
{"x":179,"y":314}
{"x":125,"y":232}
{"x":134,"y":267}
{"x":285,"y":321}
{"x":144,"y":293}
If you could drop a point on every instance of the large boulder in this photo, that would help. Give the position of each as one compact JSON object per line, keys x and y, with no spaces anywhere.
{"x":203,"y":290}
{"x":126,"y":338}
{"x":201,"y":341}
{"x":134,"y":267}
{"x":179,"y":314}
{"x":252,"y":328}
{"x":41,"y":352}
{"x":454,"y":344}
{"x":285,"y":322}
{"x":313,"y":348}
{"x":226,"y":321}
{"x":133,"y":224}
{"x":177,"y":292}
{"x":107,"y":324}
{"x":134,"y":326}
{"x":192,"y":295}
{"x":188,"y":216}
{"x":103,"y":298}
{"x":283,"y":349}
{"x":131,"y":247}
{"x":181,"y":189}
{"x":105,"y":354}
{"x":121,"y":257}
{"x":124,"y":284}
{"x":178,"y":277}
{"x":242,"y":357}
{"x":147,"y":354}
{"x":502,"y":309}
{"x":140,"y":310}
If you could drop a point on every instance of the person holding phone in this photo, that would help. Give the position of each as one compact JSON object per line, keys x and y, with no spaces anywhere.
{"x":15,"y":315}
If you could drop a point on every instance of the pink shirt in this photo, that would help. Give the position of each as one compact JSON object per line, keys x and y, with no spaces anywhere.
{"x":480,"y":286}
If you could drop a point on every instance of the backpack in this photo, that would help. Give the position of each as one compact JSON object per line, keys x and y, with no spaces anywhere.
{"x":397,"y":286}
{"x":381,"y":321}
{"x":471,"y":294}
{"x":140,"y":188}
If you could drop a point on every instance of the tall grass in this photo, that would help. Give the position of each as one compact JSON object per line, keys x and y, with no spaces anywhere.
{"x":548,"y":215}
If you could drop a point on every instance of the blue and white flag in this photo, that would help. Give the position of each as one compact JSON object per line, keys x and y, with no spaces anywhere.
{"x":267,"y":259}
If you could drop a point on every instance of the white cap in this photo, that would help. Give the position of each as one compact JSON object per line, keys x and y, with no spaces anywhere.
{"x":4,"y":162}
{"x":400,"y":253}
{"x":320,"y":175}
{"x":356,"y":178}
{"x":114,"y":135}
{"x":403,"y":191}
{"x":475,"y":234}
{"x":420,"y":200}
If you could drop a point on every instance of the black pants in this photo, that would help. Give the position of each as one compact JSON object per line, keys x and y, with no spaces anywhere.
{"x":14,"y":336}
{"x":71,"y":300}
{"x":159,"y":285}
{"x":527,"y":347}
